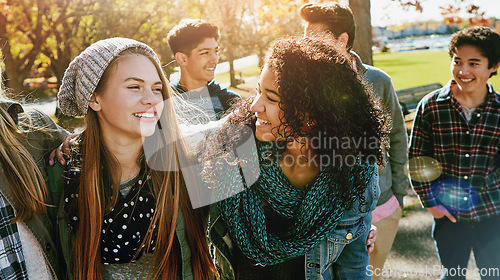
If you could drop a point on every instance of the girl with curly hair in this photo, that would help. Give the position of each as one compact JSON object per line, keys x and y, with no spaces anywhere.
{"x":319,"y":137}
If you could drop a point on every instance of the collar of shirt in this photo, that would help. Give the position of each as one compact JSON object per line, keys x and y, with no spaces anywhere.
{"x":446,"y":93}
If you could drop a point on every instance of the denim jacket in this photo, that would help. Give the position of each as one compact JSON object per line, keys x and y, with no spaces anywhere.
{"x":325,"y":262}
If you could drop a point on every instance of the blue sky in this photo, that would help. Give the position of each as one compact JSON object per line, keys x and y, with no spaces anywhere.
{"x":388,"y":12}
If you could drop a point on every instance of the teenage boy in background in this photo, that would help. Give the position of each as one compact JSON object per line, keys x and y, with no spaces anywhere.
{"x":194,"y":45}
{"x":458,"y":127}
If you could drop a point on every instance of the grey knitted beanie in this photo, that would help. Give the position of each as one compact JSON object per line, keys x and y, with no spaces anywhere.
{"x":85,"y":71}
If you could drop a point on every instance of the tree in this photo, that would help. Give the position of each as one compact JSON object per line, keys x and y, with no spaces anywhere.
{"x":57,"y":30}
{"x":229,"y":16}
{"x":272,"y":19}
{"x":451,"y":14}
{"x":25,"y":27}
{"x":475,"y":17}
{"x":363,"y":42}
{"x":20,"y":56}
{"x":69,"y":39}
{"x":148,"y":22}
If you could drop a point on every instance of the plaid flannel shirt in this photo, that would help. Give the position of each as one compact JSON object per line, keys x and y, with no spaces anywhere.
{"x":467,"y":151}
{"x":12,"y":264}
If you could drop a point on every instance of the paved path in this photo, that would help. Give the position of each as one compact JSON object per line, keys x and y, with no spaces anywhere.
{"x":413,"y":254}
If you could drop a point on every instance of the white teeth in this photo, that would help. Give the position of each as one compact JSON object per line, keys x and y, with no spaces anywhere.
{"x":261,"y":121}
{"x":145,"y":115}
{"x":466,"y":80}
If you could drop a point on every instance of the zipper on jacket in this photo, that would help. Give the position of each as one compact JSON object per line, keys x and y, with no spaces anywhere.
{"x":220,"y":252}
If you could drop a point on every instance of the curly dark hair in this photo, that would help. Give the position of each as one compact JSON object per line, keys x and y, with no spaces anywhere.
{"x":318,"y":85}
{"x":481,"y":37}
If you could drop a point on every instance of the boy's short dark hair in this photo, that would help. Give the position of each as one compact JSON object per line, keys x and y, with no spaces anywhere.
{"x":188,"y":33}
{"x":484,"y":38}
{"x":338,"y":18}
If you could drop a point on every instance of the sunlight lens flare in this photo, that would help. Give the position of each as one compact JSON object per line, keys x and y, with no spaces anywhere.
{"x":456,"y":195}
{"x":424,"y":169}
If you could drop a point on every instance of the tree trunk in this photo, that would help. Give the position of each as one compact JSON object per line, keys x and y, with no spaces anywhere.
{"x":58,"y":67}
{"x":14,"y":72}
{"x":14,"y":83}
{"x":261,"y":53}
{"x":363,"y":42}
{"x":231,"y":73}
{"x":18,"y":68}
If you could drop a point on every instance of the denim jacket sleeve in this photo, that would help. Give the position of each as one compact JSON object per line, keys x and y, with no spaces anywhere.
{"x":344,"y":255}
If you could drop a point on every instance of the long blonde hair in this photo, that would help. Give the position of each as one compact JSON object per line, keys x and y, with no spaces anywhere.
{"x":169,"y":190}
{"x":25,"y":180}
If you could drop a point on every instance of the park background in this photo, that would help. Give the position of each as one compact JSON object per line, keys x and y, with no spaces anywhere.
{"x":405,"y":38}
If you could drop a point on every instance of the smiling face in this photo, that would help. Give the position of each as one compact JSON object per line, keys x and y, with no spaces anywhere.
{"x":470,"y":70}
{"x":198,"y":68}
{"x":131,"y":101}
{"x":266,"y":106}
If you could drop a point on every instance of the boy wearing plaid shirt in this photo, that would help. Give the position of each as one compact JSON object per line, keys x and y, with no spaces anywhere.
{"x":455,"y":153}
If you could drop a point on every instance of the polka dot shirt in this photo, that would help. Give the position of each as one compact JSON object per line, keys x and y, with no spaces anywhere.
{"x":126,"y":225}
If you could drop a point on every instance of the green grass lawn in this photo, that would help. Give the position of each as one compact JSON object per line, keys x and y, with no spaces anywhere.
{"x":247,"y":72}
{"x":410,"y":69}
